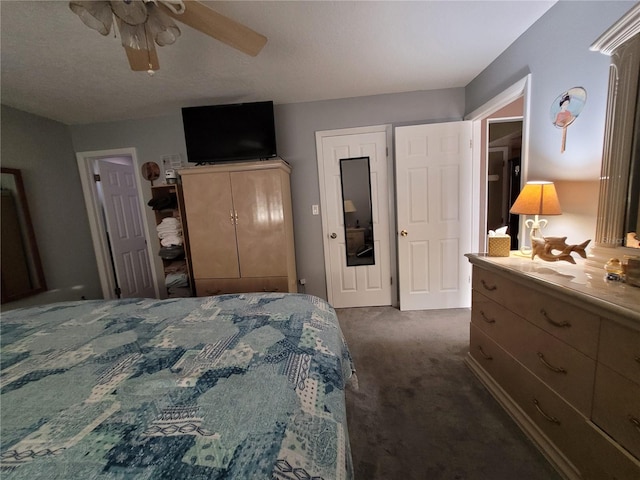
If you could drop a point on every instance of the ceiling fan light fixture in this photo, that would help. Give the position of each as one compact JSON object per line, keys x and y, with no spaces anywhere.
{"x":132,"y":36}
{"x":132,"y":12}
{"x":96,"y":15}
{"x":163,"y":29}
{"x":144,"y":23}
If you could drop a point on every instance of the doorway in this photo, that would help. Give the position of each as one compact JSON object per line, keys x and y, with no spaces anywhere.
{"x":504,"y":166}
{"x":433,"y":185}
{"x":111,"y":187}
{"x":353,"y":171}
{"x":512,"y":104}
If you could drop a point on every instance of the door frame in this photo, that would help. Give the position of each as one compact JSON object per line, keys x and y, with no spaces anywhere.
{"x":521,"y":88}
{"x":86,"y":167}
{"x":393,"y":256}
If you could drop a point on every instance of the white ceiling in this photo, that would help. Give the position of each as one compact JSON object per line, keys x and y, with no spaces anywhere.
{"x":54,"y":66}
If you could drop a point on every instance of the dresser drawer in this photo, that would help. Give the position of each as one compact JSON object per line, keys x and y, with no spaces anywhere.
{"x":575,"y":326}
{"x":616,"y":408}
{"x":620,"y":349}
{"x":583,"y":444}
{"x":500,"y":289}
{"x":489,"y":316}
{"x":494,"y":360}
{"x":567,"y":371}
{"x":218,"y":286}
{"x":563,"y":368}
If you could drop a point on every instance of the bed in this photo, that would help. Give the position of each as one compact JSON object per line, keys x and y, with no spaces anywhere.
{"x":247,"y":386}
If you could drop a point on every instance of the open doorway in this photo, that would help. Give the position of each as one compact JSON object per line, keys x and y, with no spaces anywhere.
{"x":504,"y":168}
{"x":111,"y":186}
{"x":512,"y":105}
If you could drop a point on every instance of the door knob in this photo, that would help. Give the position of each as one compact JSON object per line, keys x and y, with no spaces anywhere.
{"x":404,"y":233}
{"x":333,"y":235}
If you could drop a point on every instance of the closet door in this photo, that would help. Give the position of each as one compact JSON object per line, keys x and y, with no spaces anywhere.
{"x":210,"y":220}
{"x":262,"y":242}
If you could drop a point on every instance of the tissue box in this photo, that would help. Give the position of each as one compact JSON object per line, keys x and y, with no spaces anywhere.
{"x":499,"y":246}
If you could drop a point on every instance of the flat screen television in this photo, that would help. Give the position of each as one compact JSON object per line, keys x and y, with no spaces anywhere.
{"x":227,"y":133}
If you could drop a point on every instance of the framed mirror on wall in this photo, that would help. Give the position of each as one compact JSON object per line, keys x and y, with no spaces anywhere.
{"x":355,"y":176}
{"x":22,"y":274}
{"x":632,"y":216}
{"x":618,"y":223}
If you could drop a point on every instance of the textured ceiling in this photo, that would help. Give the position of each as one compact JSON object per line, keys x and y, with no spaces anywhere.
{"x":54,"y":66}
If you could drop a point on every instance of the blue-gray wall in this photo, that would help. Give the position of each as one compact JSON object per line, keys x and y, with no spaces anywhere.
{"x":555,"y":50}
{"x":43,"y":151}
{"x":296,"y":125}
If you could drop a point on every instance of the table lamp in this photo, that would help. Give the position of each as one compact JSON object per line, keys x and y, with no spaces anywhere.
{"x":349,"y":207}
{"x":536,"y":198}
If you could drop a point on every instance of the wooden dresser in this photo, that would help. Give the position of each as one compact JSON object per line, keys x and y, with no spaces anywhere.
{"x":559,"y":348}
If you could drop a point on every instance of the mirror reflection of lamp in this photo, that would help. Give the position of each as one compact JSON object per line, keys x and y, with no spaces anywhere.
{"x":536,"y":198}
{"x":349,"y":207}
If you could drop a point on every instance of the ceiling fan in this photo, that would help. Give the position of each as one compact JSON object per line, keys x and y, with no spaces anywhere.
{"x":144,"y":23}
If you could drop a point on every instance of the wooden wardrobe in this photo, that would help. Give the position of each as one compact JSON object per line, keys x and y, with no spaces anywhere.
{"x":240,"y":225}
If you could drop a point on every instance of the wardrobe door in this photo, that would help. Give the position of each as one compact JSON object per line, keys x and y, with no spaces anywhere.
{"x":210,"y":220}
{"x":258,"y":200}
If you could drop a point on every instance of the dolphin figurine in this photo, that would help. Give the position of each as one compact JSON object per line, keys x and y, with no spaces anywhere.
{"x":545,"y":247}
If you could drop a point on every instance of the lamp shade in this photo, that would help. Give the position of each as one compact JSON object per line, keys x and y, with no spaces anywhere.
{"x":537,"y":198}
{"x":349,"y":207}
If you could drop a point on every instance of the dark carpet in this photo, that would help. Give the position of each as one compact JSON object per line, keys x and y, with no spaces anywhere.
{"x":418,"y":412}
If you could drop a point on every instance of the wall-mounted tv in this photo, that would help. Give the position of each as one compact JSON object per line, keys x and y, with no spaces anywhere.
{"x":227,"y":133}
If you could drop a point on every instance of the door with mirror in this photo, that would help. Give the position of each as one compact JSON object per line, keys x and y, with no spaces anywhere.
{"x":353,"y":170}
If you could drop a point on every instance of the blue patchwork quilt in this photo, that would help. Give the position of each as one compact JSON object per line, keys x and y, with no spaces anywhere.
{"x":247,"y":386}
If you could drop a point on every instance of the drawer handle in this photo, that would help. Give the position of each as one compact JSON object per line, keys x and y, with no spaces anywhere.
{"x":549,"y":366}
{"x":486,"y":357}
{"x":491,"y":288}
{"x":487,"y":319}
{"x":544,"y":414}
{"x":635,"y":422}
{"x":564,"y":324}
{"x":265,"y":289}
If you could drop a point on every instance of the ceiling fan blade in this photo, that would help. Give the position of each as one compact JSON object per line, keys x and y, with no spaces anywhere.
{"x":216,"y":25}
{"x":139,"y":60}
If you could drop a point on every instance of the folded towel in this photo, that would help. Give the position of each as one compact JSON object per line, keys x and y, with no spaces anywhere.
{"x":176,"y":280}
{"x":170,"y":220}
{"x":170,"y":233}
{"x":168,"y":241}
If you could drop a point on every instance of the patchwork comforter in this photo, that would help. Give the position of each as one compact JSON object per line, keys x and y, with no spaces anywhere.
{"x":246,"y":386}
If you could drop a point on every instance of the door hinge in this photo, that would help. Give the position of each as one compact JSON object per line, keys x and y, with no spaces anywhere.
{"x":471,"y":143}
{"x":391,"y":281}
{"x":387,"y":151}
{"x":96,"y":177}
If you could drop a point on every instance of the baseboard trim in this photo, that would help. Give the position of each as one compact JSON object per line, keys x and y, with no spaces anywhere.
{"x":555,"y":457}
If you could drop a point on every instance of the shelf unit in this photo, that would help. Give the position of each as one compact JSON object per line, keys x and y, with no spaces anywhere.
{"x":169,"y":198}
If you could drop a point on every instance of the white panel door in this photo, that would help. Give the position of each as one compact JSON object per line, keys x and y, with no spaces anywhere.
{"x":433,"y":189}
{"x":125,"y":230}
{"x":355,"y":286}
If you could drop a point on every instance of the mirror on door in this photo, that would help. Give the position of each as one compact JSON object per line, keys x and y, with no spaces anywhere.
{"x":356,"y":209}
